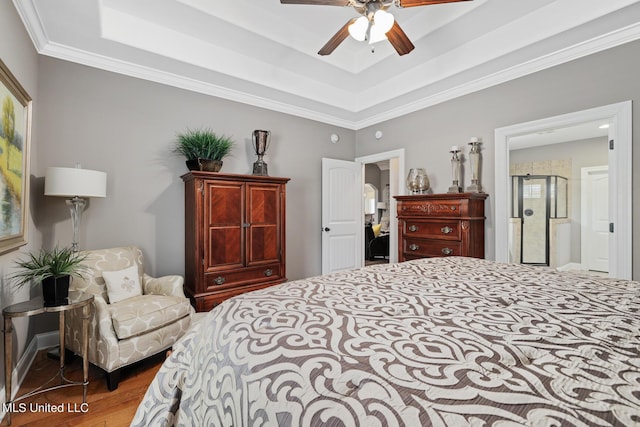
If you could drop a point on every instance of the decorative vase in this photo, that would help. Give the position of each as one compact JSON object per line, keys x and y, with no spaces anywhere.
{"x":417,"y":181}
{"x":210,"y":165}
{"x":261,"y":139}
{"x":55,"y":291}
{"x":207,"y":165}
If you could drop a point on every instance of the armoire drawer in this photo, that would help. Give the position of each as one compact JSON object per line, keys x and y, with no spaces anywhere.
{"x":226,"y":279}
{"x":431,"y":229}
{"x":433,"y":209}
{"x":431,"y":248}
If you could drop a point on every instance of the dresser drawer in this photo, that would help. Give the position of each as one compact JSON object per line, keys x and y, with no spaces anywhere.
{"x":431,"y":208}
{"x":420,"y":248}
{"x":228,"y":279}
{"x":431,"y":229}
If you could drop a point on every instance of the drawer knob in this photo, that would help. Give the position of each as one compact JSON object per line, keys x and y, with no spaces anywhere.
{"x":412,"y":228}
{"x":446,"y":230}
{"x":218,"y":280}
{"x":268,"y":272}
{"x":447,"y":251}
{"x":414,"y":247}
{"x":453,"y":208}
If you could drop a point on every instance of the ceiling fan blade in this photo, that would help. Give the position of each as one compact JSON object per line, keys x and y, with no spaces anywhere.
{"x":413,"y":3}
{"x":318,"y":2}
{"x":399,"y":40}
{"x":338,"y":38}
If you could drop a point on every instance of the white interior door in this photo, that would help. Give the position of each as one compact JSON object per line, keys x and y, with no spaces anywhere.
{"x":595,"y":218}
{"x":342,"y":215}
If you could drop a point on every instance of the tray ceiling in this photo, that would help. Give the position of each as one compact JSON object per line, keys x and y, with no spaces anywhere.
{"x":263,"y":53}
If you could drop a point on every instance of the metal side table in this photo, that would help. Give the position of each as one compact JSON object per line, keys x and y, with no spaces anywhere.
{"x":33,"y":308}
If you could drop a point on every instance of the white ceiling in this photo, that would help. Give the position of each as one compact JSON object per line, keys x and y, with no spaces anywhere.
{"x":263,"y":53}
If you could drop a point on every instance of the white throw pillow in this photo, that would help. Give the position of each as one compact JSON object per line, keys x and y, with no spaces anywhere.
{"x":122,"y":284}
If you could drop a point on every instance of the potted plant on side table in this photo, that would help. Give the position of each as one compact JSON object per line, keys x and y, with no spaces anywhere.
{"x":53,"y":269}
{"x":203,"y":149}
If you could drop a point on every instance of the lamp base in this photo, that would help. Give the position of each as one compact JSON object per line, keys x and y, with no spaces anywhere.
{"x":76,"y":206}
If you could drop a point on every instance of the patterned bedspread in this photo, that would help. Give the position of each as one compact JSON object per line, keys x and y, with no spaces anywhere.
{"x":433,"y":342}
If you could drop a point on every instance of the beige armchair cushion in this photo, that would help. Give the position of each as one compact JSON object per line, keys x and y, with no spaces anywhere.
{"x":140,"y":314}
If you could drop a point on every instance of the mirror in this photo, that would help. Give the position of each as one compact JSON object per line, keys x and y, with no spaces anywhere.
{"x":509,"y":140}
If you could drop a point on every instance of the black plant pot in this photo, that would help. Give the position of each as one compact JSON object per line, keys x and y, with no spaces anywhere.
{"x":55,"y":291}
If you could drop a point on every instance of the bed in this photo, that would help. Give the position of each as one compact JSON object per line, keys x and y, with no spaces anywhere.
{"x":433,"y":342}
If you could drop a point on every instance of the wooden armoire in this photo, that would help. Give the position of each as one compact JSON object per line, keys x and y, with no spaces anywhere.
{"x":234,"y":235}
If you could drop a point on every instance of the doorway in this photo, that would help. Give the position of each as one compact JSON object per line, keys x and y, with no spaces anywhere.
{"x":595,"y":219}
{"x":395,"y":161}
{"x":619,"y":161}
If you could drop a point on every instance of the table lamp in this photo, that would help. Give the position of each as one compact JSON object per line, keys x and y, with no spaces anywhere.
{"x":77,"y":184}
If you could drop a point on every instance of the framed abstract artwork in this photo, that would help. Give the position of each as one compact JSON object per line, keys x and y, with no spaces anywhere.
{"x":15,"y":130}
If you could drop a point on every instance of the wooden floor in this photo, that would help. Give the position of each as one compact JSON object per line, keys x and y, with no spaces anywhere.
{"x":104,"y":408}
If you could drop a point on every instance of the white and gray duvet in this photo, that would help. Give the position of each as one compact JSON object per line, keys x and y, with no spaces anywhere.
{"x":433,"y":342}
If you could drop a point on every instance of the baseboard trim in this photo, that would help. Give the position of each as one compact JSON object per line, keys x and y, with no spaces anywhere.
{"x":571,"y":266}
{"x":39,"y":342}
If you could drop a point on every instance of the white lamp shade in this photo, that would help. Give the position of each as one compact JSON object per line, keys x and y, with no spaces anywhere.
{"x":383,"y":20}
{"x":71,"y":182}
{"x":358,"y":29}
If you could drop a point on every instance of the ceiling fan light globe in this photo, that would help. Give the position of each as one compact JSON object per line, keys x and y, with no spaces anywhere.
{"x":383,"y":20}
{"x":358,"y":30}
{"x":376,"y":34}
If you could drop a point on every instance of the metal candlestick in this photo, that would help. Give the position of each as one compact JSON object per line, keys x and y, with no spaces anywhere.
{"x":455,"y":170}
{"x":474,"y":161}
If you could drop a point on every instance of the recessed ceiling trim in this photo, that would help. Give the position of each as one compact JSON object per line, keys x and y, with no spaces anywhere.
{"x":294,"y":103}
{"x":598,"y":44}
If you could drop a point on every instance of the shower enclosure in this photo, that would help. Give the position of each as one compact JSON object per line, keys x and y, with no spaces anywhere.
{"x":537,"y":200}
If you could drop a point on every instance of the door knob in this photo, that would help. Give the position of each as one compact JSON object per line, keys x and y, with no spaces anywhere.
{"x":326,"y":229}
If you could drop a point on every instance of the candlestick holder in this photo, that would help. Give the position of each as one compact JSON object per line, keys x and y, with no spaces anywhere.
{"x":474,"y":162}
{"x":455,"y":170}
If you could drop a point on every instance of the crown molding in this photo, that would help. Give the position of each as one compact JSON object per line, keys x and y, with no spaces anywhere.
{"x":325,"y":113}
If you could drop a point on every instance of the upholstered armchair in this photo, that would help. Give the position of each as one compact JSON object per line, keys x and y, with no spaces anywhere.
{"x":131,"y":325}
{"x":375,"y":246}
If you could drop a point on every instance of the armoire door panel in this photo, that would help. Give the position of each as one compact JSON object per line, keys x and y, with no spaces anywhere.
{"x":263,"y":204}
{"x":224,"y":248}
{"x":225,"y":204}
{"x":263,"y":244}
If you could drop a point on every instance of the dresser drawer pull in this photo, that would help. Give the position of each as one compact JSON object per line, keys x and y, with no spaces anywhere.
{"x":447,"y":251}
{"x":414,"y":247}
{"x":413,"y":228}
{"x":446,"y":230}
{"x":268,"y":272}
{"x":453,"y":208}
{"x":218,"y":280}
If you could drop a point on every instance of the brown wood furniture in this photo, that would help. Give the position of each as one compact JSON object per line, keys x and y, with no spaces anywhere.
{"x":433,"y":225}
{"x":234,"y":235}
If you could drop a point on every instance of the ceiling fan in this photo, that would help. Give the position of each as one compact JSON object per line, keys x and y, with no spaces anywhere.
{"x":374,"y":25}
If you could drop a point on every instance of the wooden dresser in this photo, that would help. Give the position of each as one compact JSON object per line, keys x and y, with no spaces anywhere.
{"x":433,"y":225}
{"x":234,"y":235}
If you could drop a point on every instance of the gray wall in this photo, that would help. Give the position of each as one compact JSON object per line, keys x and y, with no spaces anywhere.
{"x":600,"y":79}
{"x":126,"y":126}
